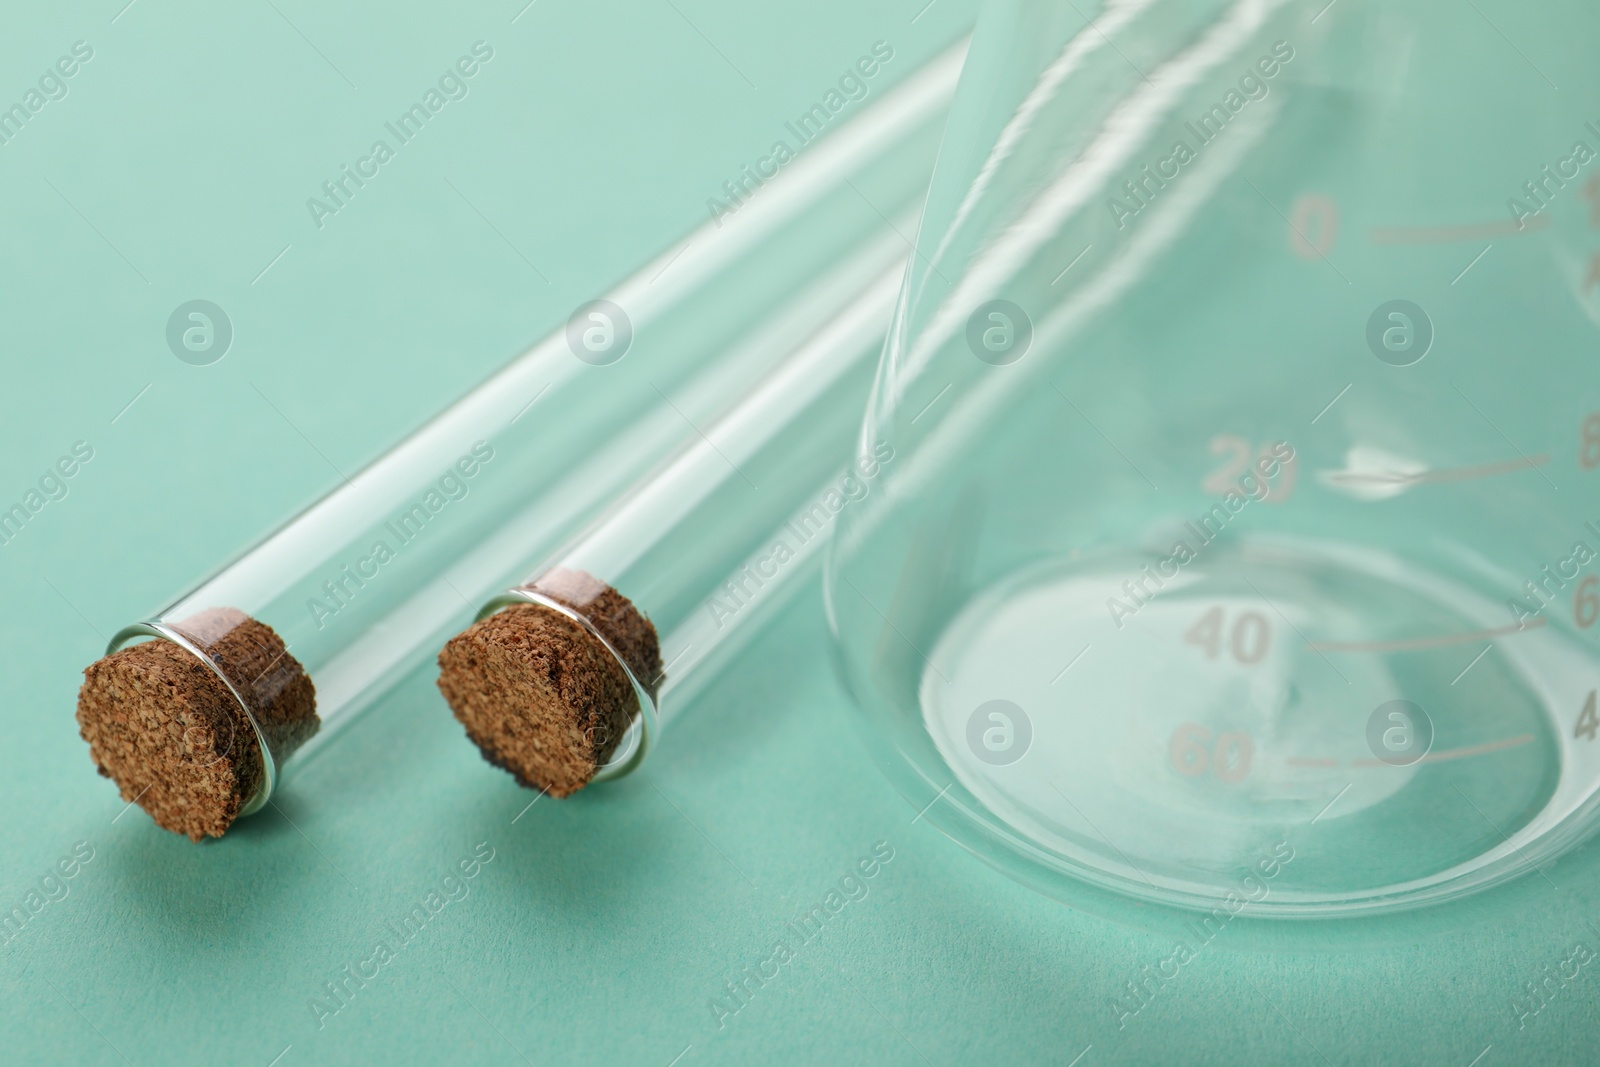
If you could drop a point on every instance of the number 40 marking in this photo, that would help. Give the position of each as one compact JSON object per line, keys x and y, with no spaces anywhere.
{"x":1588,"y":721}
{"x":1250,"y":638}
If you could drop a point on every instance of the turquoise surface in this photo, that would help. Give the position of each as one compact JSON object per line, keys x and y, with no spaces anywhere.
{"x":177,"y":166}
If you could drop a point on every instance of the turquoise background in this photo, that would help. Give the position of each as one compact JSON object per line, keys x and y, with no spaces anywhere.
{"x":177,"y":167}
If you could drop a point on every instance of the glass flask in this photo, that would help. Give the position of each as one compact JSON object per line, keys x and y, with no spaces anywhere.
{"x":1244,"y":545}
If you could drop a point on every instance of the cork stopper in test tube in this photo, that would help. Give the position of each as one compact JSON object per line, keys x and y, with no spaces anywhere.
{"x":196,"y":723}
{"x":565,"y":679}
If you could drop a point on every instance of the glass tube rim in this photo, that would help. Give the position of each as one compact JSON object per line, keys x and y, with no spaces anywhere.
{"x":161,"y":631}
{"x":640,"y":738}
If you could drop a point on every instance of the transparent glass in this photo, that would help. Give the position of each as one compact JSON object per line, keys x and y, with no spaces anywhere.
{"x":1241,"y":548}
{"x":724,"y":532}
{"x":370,"y":581}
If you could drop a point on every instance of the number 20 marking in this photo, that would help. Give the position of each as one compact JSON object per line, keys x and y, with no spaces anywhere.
{"x":1238,"y":451}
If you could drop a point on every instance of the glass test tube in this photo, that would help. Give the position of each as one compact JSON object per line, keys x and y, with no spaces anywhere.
{"x":569,"y":677}
{"x":281,"y":649}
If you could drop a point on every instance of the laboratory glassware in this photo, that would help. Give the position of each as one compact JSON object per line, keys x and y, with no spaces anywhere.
{"x":366,"y":583}
{"x":1245,"y":516}
{"x":681,"y":572}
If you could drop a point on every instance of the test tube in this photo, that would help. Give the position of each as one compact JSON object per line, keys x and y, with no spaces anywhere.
{"x":569,"y":677}
{"x":195,"y":711}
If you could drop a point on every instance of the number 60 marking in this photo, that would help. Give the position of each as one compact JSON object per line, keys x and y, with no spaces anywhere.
{"x":1229,"y":760}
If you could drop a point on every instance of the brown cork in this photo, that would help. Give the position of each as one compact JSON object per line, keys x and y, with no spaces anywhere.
{"x":165,"y":728}
{"x":539,"y":695}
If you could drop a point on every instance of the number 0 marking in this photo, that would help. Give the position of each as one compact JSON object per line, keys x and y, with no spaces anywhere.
{"x":1589,"y":446}
{"x":1313,"y":226}
{"x":1252,"y":635}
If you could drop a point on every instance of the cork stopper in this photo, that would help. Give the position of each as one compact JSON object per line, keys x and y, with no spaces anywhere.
{"x":539,"y":695}
{"x":166,"y":729}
